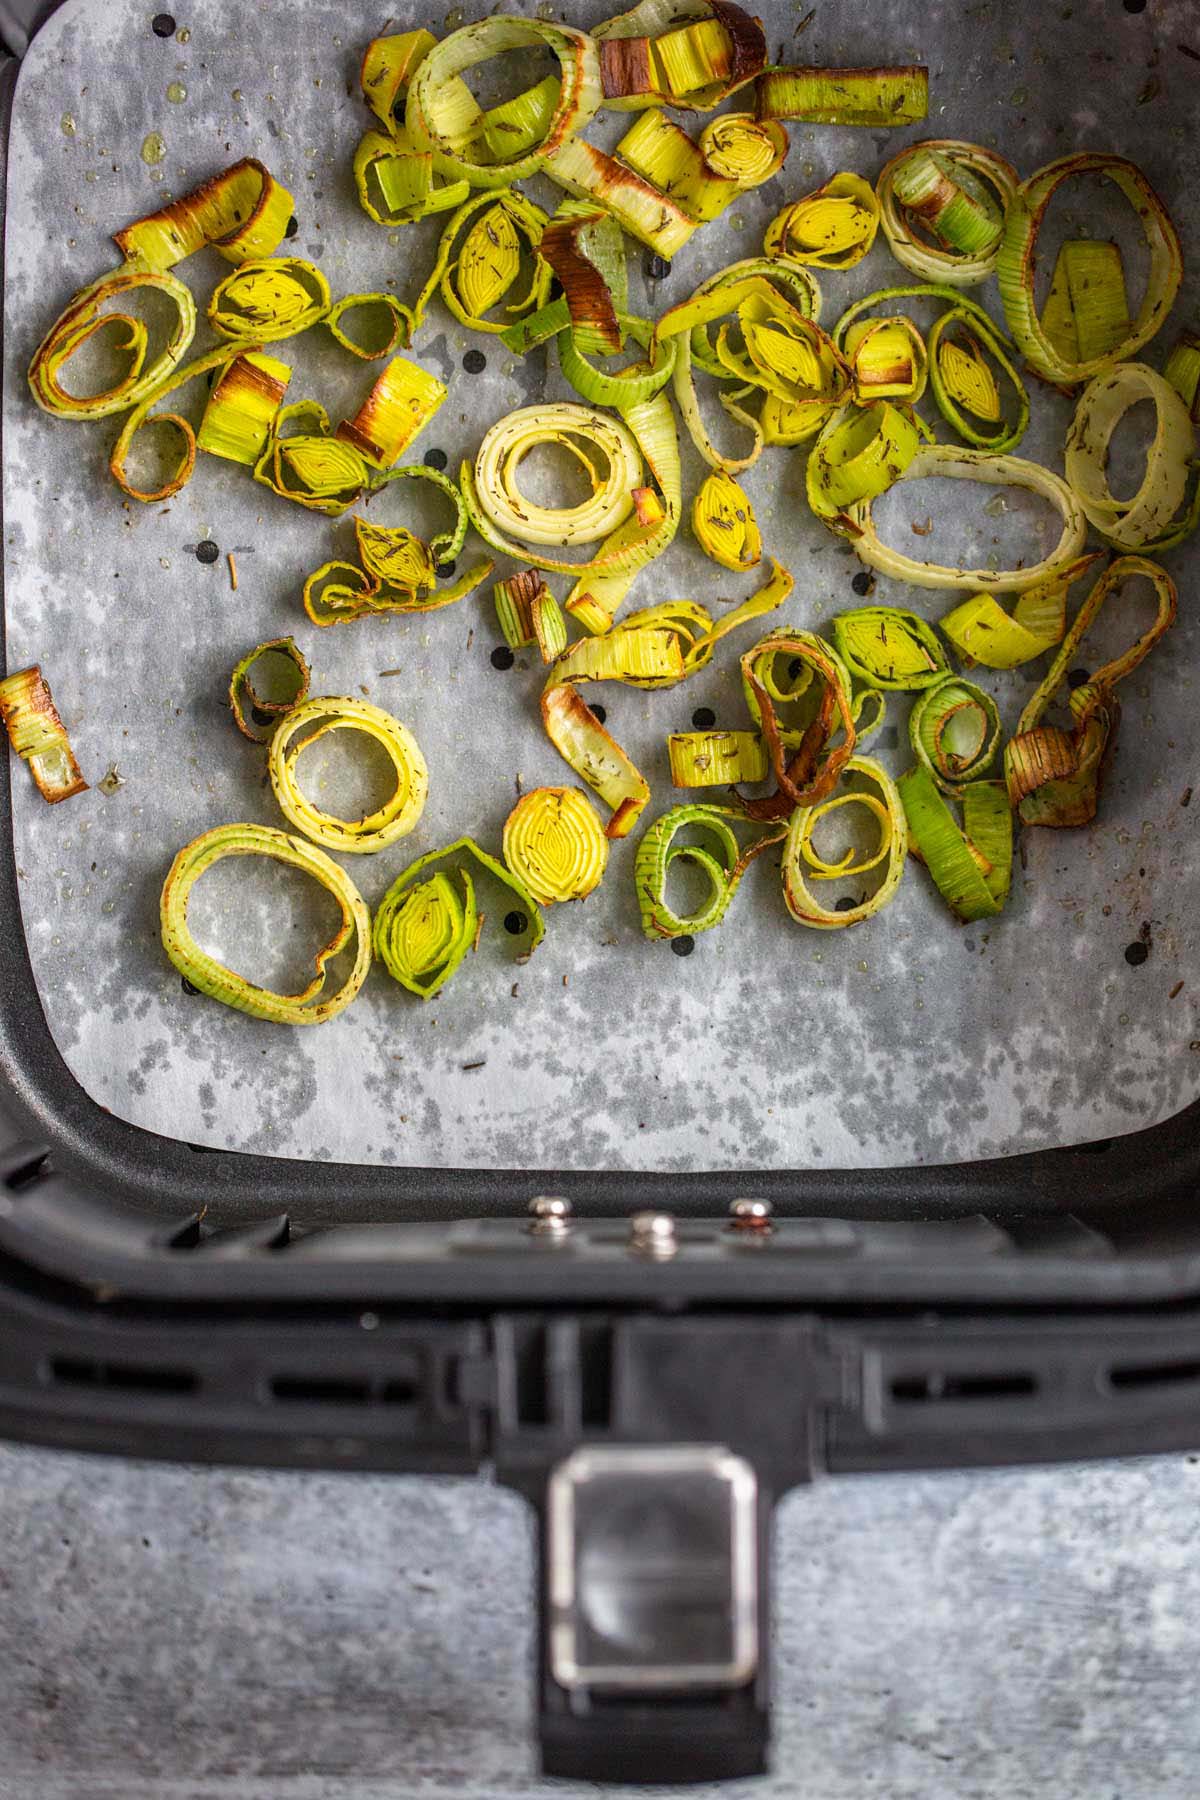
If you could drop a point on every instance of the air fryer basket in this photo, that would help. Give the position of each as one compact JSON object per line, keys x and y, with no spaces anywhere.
{"x":222,"y":1239}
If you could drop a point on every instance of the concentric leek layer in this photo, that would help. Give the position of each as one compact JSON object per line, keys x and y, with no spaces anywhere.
{"x":375,"y":830}
{"x":554,"y":843}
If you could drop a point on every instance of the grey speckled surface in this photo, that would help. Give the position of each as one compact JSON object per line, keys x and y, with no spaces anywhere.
{"x":906,"y":1040}
{"x":194,"y":1634}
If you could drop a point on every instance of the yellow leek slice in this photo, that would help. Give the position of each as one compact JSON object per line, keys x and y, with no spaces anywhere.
{"x":394,"y":413}
{"x":887,"y":97}
{"x":742,"y":149}
{"x":961,"y":193}
{"x":1018,"y":252}
{"x":887,"y":647}
{"x":309,"y":464}
{"x":179,"y":426}
{"x":1182,"y":370}
{"x":83,"y":319}
{"x":639,"y":207}
{"x":831,"y":228}
{"x":586,"y":251}
{"x":528,"y":613}
{"x":965,"y":388}
{"x":803,"y":864}
{"x":982,"y":632}
{"x":723,"y":523}
{"x":268,"y":300}
{"x":1087,"y":309}
{"x":425,"y":924}
{"x":693,"y":623}
{"x":717,"y":857}
{"x":38,"y":735}
{"x":658,"y":149}
{"x":554,"y":844}
{"x":859,"y":454}
{"x":241,"y":214}
{"x":388,"y":65}
{"x":888,"y":360}
{"x":716,"y":758}
{"x":647,"y":658}
{"x":257,"y":710}
{"x":394,"y":819}
{"x":1147,"y":519}
{"x":690,"y":54}
{"x":479,"y":258}
{"x":397,"y":183}
{"x":242,"y":407}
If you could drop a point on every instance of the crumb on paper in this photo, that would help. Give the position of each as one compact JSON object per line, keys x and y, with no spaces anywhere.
{"x":1175,"y":991}
{"x":515,"y":989}
{"x":232,"y":572}
{"x":111,"y":780}
{"x":481,"y":1064}
{"x":924,"y":530}
{"x":479,"y":924}
{"x":383,"y":673}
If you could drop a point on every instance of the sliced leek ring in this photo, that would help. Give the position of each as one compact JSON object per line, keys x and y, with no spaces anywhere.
{"x":1149,"y":519}
{"x":803,"y":864}
{"x":425,"y":924}
{"x":245,"y":701}
{"x":962,"y":193}
{"x":718,"y":857}
{"x":376,"y":830}
{"x":82,"y":319}
{"x":242,"y":214}
{"x":268,"y":300}
{"x":554,"y":843}
{"x":724,"y":525}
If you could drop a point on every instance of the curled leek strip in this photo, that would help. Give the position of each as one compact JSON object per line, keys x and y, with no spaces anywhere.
{"x":553,"y":842}
{"x":397,"y":409}
{"x":888,"y":360}
{"x":954,"y":729}
{"x":1053,"y":775}
{"x":338,"y":592}
{"x":479,"y":259}
{"x":942,"y":460}
{"x":1087,"y":309}
{"x":1182,"y":370}
{"x":384,"y":325}
{"x":376,"y":830}
{"x":265,"y":301}
{"x":387,"y":68}
{"x":724,"y":525}
{"x":803,"y":864}
{"x":639,"y":207}
{"x":716,"y":758}
{"x":982,"y":632}
{"x":528,"y":613}
{"x":965,"y":388}
{"x":242,"y":407}
{"x":425,"y":925}
{"x":38,"y":735}
{"x":1148,"y":519}
{"x":960,"y":193}
{"x":849,"y":325}
{"x":970,"y":863}
{"x":889,"y":648}
{"x":586,"y":251}
{"x":433,"y":112}
{"x":691,"y":56}
{"x":831,"y":228}
{"x":287,"y":661}
{"x":622,"y":388}
{"x":641,"y":658}
{"x":397,"y":183}
{"x":880,"y":97}
{"x":82,"y":319}
{"x":220,"y":983}
{"x":201,"y":365}
{"x":1018,"y":251}
{"x":309,"y":464}
{"x":242,"y":214}
{"x":392,"y":554}
{"x":816,"y":675}
{"x":857,"y":457}
{"x":743,"y":149}
{"x":693,"y":624}
{"x":718,"y":857}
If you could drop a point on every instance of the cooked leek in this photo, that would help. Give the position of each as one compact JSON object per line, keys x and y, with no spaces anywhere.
{"x":804,"y":864}
{"x":479,"y":259}
{"x":888,"y":360}
{"x":1149,"y":518}
{"x":424,"y":925}
{"x":724,"y":525}
{"x":640,"y":658}
{"x":638,"y":206}
{"x":691,"y":57}
{"x":309,"y":464}
{"x":528,"y":613}
{"x":1182,"y":370}
{"x":38,"y":735}
{"x":242,"y":407}
{"x":718,"y":857}
{"x":817,"y":676}
{"x":241,"y":214}
{"x":982,"y":632}
{"x":1087,"y":309}
{"x":246,"y":701}
{"x":385,"y":325}
{"x":831,"y":228}
{"x":970,"y":863}
{"x":554,"y":844}
{"x":83,"y":319}
{"x":265,"y":301}
{"x":396,"y":411}
{"x":958,"y":192}
{"x":965,"y":388}
{"x":716,"y":758}
{"x":886,"y":97}
{"x":954,"y":729}
{"x":179,"y":426}
{"x":889,"y":648}
{"x":376,"y":829}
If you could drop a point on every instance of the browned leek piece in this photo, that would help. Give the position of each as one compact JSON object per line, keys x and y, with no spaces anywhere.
{"x":38,"y":735}
{"x":693,"y":66}
{"x":569,"y":246}
{"x":240,"y":214}
{"x":398,"y":407}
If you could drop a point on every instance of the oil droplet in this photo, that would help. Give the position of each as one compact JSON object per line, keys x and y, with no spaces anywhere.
{"x":453,"y":18}
{"x":69,"y":127}
{"x":736,"y":222}
{"x":153,"y":148}
{"x":163,"y":563}
{"x":861,"y":967}
{"x":236,"y":94}
{"x":176,"y":92}
{"x":183,"y":35}
{"x":90,"y":175}
{"x":109,"y":906}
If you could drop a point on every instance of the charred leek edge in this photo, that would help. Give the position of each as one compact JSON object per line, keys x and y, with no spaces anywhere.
{"x":943,"y":460}
{"x":242,"y":407}
{"x":444,"y":547}
{"x":724,"y":525}
{"x":966,"y":168}
{"x":596,"y":598}
{"x":140,"y":416}
{"x":970,"y":863}
{"x":880,"y":97}
{"x":244,"y":698}
{"x":397,"y":183}
{"x":651,"y":53}
{"x":475,"y":271}
{"x":888,"y":360}
{"x":397,"y":409}
{"x":387,"y":68}
{"x":962,"y":383}
{"x":939,"y":190}
{"x":311,"y":466}
{"x":586,"y":252}
{"x":832,"y":228}
{"x":858,"y":456}
{"x":431,"y":106}
{"x":528,"y":613}
{"x":1087,"y":309}
{"x":395,"y":819}
{"x":242,"y":214}
{"x":954,"y":729}
{"x":38,"y":735}
{"x":887,"y":647}
{"x":221,"y":983}
{"x":626,"y":387}
{"x":82,"y":319}
{"x":397,"y":334}
{"x":1148,"y":519}
{"x":339,"y":592}
{"x":555,"y":844}
{"x":508,"y":522}
{"x":1182,"y":370}
{"x":423,"y":929}
{"x":265,"y":301}
{"x":1018,"y":251}
{"x":636,"y":204}
{"x":716,"y":758}
{"x":722,"y":865}
{"x":647,"y":659}
{"x":812,"y":770}
{"x":982,"y":632}
{"x":743,"y":149}
{"x":803,"y":864}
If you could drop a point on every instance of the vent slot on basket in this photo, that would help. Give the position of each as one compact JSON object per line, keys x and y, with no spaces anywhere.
{"x":402,"y":1388}
{"x":82,"y":1372}
{"x":1146,"y":1375}
{"x":953,"y":1385}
